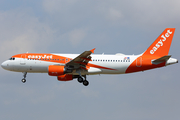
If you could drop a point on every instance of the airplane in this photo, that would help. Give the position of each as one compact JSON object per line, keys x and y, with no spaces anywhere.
{"x":67,"y":67}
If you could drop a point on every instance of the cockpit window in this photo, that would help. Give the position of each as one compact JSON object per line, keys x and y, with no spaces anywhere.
{"x":11,"y":58}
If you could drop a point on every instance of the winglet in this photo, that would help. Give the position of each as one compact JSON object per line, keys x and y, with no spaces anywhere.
{"x":92,"y":50}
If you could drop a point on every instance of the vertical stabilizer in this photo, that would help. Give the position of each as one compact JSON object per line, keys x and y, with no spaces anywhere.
{"x":160,"y":47}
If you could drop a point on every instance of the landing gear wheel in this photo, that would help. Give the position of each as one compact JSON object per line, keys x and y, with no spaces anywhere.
{"x":85,"y":83}
{"x":24,"y":75}
{"x":80,"y":79}
{"x":23,"y":80}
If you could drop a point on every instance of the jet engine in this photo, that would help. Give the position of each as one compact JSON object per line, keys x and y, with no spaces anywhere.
{"x":55,"y":70}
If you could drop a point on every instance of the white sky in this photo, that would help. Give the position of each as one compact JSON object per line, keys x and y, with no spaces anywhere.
{"x":73,"y":26}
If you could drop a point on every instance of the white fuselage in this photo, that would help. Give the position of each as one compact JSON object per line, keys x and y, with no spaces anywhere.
{"x":117,"y":64}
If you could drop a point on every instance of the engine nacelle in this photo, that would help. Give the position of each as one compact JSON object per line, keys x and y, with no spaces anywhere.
{"x":65,"y":77}
{"x":55,"y":70}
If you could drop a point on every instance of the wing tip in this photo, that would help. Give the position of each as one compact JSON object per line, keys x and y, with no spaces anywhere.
{"x":92,"y":50}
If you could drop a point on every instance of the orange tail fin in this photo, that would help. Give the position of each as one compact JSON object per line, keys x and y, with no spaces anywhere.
{"x":162,"y":44}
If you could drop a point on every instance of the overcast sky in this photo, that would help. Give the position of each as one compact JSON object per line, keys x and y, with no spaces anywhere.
{"x":73,"y":26}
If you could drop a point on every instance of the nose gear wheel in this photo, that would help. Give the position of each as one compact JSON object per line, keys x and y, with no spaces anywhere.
{"x":23,"y":80}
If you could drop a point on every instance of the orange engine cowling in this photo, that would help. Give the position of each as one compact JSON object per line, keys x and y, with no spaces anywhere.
{"x":65,"y":77}
{"x":55,"y":70}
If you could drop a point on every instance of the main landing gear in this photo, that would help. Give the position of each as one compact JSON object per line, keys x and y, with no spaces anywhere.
{"x":83,"y":81}
{"x":24,"y":75}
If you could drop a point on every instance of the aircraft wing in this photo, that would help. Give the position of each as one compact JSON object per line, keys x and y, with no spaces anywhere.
{"x":81,"y":60}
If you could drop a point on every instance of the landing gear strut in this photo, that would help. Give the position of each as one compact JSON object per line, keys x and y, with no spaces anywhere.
{"x":24,"y":75}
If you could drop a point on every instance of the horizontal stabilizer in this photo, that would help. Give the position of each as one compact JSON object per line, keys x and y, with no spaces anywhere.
{"x":161,"y":60}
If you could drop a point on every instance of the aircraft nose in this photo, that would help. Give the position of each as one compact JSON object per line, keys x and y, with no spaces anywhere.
{"x":3,"y":65}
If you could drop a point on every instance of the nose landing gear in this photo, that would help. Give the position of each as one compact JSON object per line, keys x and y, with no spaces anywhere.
{"x":24,"y":75}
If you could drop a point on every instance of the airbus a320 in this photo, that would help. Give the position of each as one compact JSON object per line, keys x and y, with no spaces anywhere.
{"x":67,"y":67}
